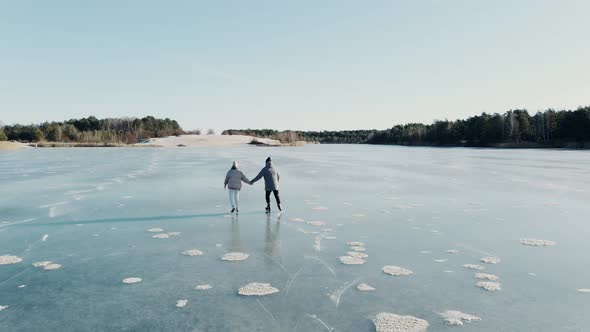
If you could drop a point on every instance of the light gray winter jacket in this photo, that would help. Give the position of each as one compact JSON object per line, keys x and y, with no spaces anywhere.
{"x":234,"y":178}
{"x":271,"y":177}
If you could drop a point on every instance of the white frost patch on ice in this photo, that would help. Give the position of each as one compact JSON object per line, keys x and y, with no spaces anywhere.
{"x":349,"y":260}
{"x":161,"y":236}
{"x":296,"y":219}
{"x":356,"y":243}
{"x":181,"y":303}
{"x":234,"y":256}
{"x":487,"y":276}
{"x":319,"y":208}
{"x":389,"y":322}
{"x":537,"y":242}
{"x":2,"y":307}
{"x":44,"y":238}
{"x":41,"y":264}
{"x":396,"y":270}
{"x":192,"y":252}
{"x":358,"y":215}
{"x":8,"y":259}
{"x":330,"y":237}
{"x":490,"y":286}
{"x":490,"y":260}
{"x":364,"y":287}
{"x":583,"y":290}
{"x":154,"y":230}
{"x":425,"y":252}
{"x":453,"y":251}
{"x":173,"y":233}
{"x":440,"y":260}
{"x":132,"y":280}
{"x":22,"y":286}
{"x":448,"y":271}
{"x":455,"y":317}
{"x":473,"y":267}
{"x":52,"y":267}
{"x":357,"y":254}
{"x":203,"y":287}
{"x":316,"y":223}
{"x":356,"y":248}
{"x":258,"y":289}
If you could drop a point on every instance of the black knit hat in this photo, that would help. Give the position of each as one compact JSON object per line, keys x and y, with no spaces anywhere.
{"x":268,"y":159}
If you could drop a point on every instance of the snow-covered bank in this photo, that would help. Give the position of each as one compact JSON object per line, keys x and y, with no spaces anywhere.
{"x":206,"y":141}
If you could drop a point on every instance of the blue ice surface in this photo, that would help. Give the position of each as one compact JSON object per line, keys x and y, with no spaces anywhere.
{"x":95,"y":205}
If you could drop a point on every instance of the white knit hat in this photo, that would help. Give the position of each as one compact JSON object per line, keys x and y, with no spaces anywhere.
{"x":235,"y":164}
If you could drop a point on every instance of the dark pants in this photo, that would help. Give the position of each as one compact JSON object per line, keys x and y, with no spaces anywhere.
{"x":277,"y":198}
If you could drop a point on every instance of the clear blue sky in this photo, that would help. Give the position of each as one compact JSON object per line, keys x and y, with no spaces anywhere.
{"x":298,"y":64}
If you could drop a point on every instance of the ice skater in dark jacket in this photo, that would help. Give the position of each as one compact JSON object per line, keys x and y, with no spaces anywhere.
{"x":271,"y":183}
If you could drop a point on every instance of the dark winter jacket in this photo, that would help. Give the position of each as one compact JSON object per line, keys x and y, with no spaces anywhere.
{"x":271,"y":177}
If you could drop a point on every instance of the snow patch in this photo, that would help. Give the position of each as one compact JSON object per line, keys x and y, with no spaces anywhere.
{"x":490,"y":260}
{"x":349,"y":260}
{"x":132,"y":280}
{"x":258,"y":289}
{"x":389,"y":322}
{"x":364,"y":287}
{"x":473,"y":267}
{"x":356,"y":243}
{"x":356,"y":248}
{"x":537,"y":242}
{"x":52,"y":267}
{"x":455,"y":317}
{"x":192,"y":252}
{"x":490,"y":286}
{"x":161,"y":236}
{"x":234,"y":256}
{"x":357,"y":254}
{"x":396,"y":270}
{"x":41,"y":264}
{"x":8,"y":259}
{"x":486,"y":276}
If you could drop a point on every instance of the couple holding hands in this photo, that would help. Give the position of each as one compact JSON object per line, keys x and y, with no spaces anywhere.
{"x":234,"y":178}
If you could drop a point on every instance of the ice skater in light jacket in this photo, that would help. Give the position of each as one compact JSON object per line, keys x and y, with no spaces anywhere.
{"x":233,"y":182}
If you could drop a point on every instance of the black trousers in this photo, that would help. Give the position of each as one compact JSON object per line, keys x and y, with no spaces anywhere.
{"x":277,"y":198}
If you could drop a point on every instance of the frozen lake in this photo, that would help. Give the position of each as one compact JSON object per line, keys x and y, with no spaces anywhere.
{"x":88,"y":210}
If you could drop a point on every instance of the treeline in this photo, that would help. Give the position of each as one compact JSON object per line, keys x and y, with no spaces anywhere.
{"x":93,"y":130}
{"x":290,"y":136}
{"x":513,"y":128}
